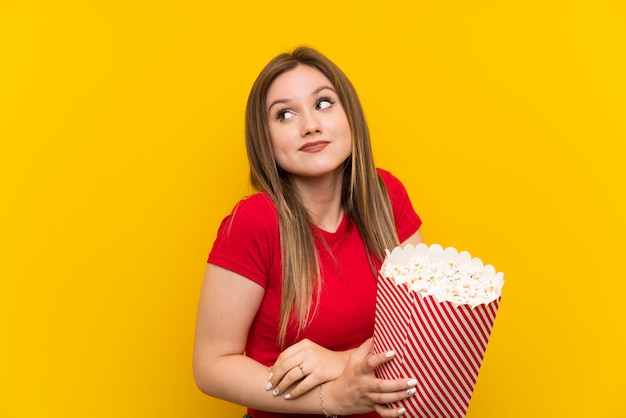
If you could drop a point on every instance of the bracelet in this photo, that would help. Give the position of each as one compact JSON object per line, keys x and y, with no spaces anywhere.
{"x":326,"y":414}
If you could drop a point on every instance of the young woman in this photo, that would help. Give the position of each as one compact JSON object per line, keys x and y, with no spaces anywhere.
{"x":286,"y":312}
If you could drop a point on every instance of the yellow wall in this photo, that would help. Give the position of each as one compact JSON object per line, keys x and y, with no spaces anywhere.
{"x":121,"y":149}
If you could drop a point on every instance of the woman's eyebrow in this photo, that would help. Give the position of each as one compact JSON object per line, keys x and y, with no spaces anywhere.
{"x":275,"y":102}
{"x":321,"y":88}
{"x":313,"y":93}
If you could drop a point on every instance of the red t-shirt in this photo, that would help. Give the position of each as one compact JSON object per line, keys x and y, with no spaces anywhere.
{"x":248,"y":244}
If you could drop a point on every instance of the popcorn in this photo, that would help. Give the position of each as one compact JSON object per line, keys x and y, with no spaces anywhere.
{"x":435,"y":307}
{"x":445,"y":274}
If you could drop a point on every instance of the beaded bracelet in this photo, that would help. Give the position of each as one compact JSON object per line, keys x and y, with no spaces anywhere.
{"x":326,"y":414}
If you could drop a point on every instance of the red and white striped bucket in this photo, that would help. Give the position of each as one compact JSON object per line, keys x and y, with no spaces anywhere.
{"x":439,"y":343}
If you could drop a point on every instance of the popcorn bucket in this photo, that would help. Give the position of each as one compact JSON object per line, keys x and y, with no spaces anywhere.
{"x":440,"y":330}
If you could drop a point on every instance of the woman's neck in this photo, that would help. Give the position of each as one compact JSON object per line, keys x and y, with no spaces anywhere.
{"x":322,"y":199}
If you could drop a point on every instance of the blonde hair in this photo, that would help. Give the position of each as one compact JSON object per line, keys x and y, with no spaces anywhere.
{"x":364,"y":195}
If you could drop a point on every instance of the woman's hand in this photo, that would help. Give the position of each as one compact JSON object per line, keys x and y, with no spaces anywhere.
{"x":358,"y":390}
{"x":304,"y":366}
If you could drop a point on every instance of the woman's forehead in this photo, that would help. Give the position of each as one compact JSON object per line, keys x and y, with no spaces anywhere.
{"x":301,"y":80}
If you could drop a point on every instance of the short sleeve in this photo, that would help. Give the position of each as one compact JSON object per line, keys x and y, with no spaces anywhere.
{"x":407,"y":220}
{"x":248,"y":238}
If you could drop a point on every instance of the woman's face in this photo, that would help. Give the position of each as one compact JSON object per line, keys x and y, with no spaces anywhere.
{"x":309,"y":130}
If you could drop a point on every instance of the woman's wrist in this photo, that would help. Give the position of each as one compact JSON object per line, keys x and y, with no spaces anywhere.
{"x":323,"y":404}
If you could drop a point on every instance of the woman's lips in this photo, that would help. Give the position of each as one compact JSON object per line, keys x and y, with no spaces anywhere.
{"x":316,"y":146}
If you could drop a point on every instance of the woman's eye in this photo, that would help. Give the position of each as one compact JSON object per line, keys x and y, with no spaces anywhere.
{"x":284,"y":115}
{"x":324,"y":103}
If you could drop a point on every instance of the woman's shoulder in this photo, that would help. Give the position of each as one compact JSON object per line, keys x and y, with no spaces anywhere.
{"x":388,"y":178}
{"x":247,"y":238}
{"x":253,"y":210}
{"x":257,"y":201}
{"x":395,"y":187}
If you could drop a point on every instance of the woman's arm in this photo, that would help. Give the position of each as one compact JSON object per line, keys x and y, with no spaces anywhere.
{"x":228,"y":304}
{"x":414,"y":239}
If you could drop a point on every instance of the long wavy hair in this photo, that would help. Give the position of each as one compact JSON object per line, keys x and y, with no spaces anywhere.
{"x":364,"y":195}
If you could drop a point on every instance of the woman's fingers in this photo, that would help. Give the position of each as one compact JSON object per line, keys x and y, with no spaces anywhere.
{"x":375,"y":360}
{"x":385,"y":411}
{"x":288,"y":381}
{"x":388,"y":395}
{"x":384,"y":399}
{"x":385,"y":392}
{"x":370,"y":361}
{"x":284,"y":372}
{"x":303,"y":366}
{"x":301,"y":387}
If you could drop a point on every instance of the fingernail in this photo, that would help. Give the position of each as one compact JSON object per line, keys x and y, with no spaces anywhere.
{"x":411,"y":391}
{"x":270,"y":376}
{"x":412,"y":382}
{"x":268,"y":386}
{"x":276,"y":392}
{"x":401,"y":411}
{"x":390,"y":354}
{"x":288,"y":396}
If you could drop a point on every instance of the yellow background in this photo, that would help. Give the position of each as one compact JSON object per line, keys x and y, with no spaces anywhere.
{"x":121,"y":149}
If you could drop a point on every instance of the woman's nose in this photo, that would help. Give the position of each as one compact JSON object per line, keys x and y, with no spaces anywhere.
{"x":310,"y":124}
